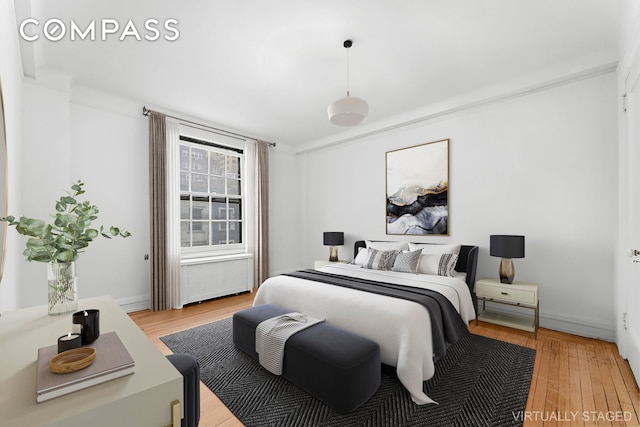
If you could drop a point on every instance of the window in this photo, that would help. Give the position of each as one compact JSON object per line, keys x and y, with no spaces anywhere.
{"x":211,"y":196}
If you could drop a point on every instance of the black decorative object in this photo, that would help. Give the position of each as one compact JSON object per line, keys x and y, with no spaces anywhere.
{"x":89,"y":321}
{"x":333,"y":239}
{"x":506,"y":247}
{"x":68,"y":342}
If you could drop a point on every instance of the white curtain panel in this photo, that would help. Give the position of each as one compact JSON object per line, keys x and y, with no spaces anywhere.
{"x":174,"y":299}
{"x":251,"y":199}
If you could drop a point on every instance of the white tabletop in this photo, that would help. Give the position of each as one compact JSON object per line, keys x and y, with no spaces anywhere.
{"x":140,"y":399}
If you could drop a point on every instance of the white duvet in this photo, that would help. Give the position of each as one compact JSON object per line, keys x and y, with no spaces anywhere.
{"x":401,"y":328}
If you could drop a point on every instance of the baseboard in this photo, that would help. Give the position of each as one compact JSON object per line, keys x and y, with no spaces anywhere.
{"x":581,"y":327}
{"x":562,"y":323}
{"x":131,"y":304}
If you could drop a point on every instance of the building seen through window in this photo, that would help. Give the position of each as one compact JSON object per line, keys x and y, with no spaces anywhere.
{"x":211,"y":198}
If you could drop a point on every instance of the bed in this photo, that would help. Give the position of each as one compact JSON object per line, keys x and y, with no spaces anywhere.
{"x":404,"y":329}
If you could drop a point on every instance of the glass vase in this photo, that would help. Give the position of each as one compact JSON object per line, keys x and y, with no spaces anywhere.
{"x":63,"y":287}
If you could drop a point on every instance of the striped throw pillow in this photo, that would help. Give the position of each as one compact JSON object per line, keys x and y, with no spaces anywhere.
{"x":380,"y":260}
{"x":438,"y":264}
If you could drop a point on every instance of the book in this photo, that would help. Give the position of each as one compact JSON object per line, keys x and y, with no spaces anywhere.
{"x":112,"y":361}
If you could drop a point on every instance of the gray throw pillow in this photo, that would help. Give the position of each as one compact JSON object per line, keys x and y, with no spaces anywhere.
{"x":407,"y":262}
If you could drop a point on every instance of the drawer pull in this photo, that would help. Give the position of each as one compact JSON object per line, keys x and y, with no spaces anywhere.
{"x":504,"y":293}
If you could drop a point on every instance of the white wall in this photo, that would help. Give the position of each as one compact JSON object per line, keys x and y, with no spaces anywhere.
{"x":11,"y":79}
{"x":101,"y":140}
{"x":109,"y":152}
{"x":287,"y":210}
{"x":542,"y":165}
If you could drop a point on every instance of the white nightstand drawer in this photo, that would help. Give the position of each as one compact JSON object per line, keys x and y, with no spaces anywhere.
{"x":506,"y":293}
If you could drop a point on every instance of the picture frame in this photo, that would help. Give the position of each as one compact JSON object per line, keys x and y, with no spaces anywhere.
{"x":417,"y":189}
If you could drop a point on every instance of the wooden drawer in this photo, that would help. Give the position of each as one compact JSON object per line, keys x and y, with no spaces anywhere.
{"x":506,"y":293}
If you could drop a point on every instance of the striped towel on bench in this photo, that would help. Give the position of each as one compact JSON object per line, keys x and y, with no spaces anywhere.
{"x":272,"y":334}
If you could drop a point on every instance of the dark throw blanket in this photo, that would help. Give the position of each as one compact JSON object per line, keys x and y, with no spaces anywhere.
{"x":447,"y":327}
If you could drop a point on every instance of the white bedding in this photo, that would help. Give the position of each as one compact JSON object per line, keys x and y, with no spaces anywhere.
{"x":402,"y":328}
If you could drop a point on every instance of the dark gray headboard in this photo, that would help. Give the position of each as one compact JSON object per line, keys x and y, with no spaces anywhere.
{"x":467,"y":261}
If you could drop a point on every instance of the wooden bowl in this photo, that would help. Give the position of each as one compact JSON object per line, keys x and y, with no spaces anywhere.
{"x":72,"y":360}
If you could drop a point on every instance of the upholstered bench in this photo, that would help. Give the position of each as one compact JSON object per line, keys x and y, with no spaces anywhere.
{"x":338,"y":367}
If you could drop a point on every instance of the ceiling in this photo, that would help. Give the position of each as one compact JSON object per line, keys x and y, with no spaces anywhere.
{"x":270,"y":68}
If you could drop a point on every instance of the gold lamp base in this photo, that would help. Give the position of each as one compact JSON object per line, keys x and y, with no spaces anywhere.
{"x":507,"y":271}
{"x":333,"y":253}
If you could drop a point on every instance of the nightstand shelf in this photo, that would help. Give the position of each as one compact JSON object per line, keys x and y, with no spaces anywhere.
{"x":518,"y":294}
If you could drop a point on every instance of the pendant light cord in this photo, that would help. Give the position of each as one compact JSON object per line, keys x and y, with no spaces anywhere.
{"x":347,"y":71}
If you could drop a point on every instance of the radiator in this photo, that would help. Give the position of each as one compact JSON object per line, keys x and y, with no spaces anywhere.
{"x":203,"y":279}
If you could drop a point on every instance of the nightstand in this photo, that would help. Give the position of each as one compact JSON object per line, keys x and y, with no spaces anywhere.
{"x":518,"y":294}
{"x":318,"y":264}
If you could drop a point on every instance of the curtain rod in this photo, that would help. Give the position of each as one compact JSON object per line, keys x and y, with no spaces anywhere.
{"x":146,"y":112}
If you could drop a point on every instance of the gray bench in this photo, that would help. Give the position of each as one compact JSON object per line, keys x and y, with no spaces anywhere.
{"x":338,"y":367}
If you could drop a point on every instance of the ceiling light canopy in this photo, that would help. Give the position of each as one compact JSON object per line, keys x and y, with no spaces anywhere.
{"x":350,"y":110}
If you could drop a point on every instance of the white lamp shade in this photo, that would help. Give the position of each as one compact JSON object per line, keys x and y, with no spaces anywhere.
{"x":348,"y":111}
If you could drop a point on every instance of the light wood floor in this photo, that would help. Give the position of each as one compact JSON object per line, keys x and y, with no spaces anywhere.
{"x":576,"y":381}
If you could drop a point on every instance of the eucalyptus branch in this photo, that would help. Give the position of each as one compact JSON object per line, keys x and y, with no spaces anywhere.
{"x":70,"y":233}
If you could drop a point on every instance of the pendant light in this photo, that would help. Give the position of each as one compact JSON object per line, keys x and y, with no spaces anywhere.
{"x":350,"y":110}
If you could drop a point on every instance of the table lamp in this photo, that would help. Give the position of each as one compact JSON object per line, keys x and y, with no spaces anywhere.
{"x":507,"y":247}
{"x":333,"y":239}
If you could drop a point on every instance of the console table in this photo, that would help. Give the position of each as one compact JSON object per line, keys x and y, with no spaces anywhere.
{"x":152,"y":396}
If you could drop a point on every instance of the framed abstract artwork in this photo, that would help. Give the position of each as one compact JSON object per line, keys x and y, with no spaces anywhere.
{"x":418,"y":189}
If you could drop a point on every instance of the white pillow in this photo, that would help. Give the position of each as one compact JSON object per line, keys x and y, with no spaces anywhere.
{"x":362,"y":257}
{"x":387,"y":246}
{"x":435,"y":249}
{"x":437,"y":264}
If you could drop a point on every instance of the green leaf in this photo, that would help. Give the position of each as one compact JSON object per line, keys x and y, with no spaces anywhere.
{"x":32,"y":227}
{"x":44,"y":257}
{"x":80,"y":244}
{"x":74,"y":227}
{"x":65,"y":256}
{"x":92,"y":233}
{"x":69,"y":200}
{"x":33,"y":243}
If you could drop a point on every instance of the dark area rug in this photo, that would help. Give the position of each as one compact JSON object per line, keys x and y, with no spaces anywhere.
{"x":479,"y":382}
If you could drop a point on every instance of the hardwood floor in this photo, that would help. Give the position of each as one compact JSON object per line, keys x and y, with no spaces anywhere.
{"x":576,"y":381}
